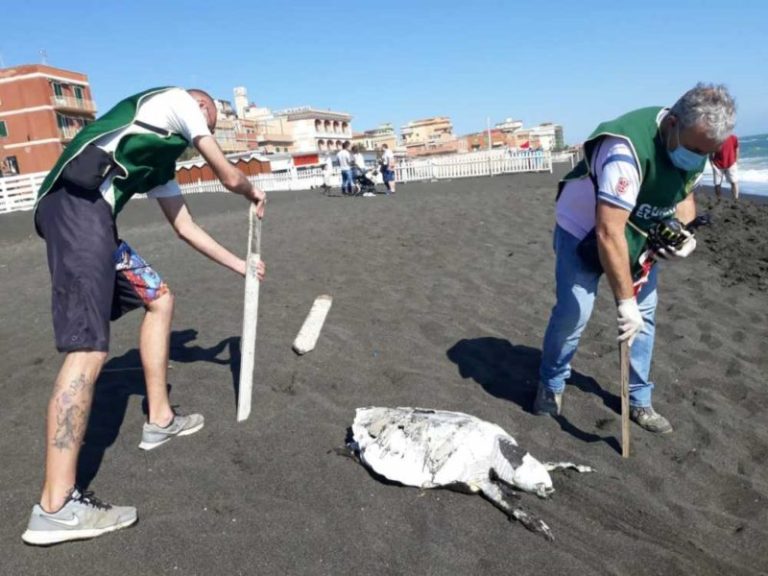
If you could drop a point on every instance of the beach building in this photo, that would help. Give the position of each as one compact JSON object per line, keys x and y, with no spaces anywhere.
{"x":374,"y":139}
{"x":235,"y":134}
{"x":300,"y":130}
{"x":41,"y":110}
{"x":317,"y":130}
{"x":258,"y":128}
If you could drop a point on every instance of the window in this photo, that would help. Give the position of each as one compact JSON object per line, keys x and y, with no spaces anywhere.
{"x":10,"y":166}
{"x":78,"y":92}
{"x":58,"y":90}
{"x":3,"y":129}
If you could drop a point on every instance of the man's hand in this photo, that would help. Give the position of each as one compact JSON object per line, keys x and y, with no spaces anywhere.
{"x":682,"y":250}
{"x":259,"y":198}
{"x":630,"y":320}
{"x":261,"y":269}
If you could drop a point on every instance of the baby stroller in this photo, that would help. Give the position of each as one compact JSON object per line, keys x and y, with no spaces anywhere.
{"x":365,"y":181}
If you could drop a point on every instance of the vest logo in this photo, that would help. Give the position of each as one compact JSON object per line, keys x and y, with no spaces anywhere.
{"x":622,"y":185}
{"x":649,"y":212}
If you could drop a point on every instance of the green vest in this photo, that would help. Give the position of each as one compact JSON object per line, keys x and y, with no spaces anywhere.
{"x":146,"y":160}
{"x":662,"y":185}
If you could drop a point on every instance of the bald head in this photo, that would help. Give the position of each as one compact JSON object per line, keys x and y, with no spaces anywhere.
{"x":207,"y":106}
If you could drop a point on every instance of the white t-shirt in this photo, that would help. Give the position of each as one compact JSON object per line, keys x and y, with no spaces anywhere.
{"x":344,"y":158}
{"x":388,"y":158}
{"x":359,"y":161}
{"x":618,"y":183}
{"x":174,"y":110}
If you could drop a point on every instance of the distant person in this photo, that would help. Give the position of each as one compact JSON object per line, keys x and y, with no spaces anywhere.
{"x":358,"y":166}
{"x":639,"y":170}
{"x":344,"y":158}
{"x":96,"y":277}
{"x":327,"y":173}
{"x":388,"y":168}
{"x":724,"y":162}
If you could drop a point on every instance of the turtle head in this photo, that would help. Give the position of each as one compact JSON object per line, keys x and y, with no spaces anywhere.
{"x":518,"y":468}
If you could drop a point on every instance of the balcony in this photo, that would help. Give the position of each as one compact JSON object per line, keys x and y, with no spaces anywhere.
{"x":71,"y":104}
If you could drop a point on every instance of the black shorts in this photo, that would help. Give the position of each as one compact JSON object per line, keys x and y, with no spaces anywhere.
{"x":95,"y":278}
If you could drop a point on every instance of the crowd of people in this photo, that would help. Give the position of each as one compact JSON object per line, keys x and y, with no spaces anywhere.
{"x":356,"y":177}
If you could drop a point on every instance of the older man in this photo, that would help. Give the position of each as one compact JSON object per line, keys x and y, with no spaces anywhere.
{"x":96,"y":277}
{"x":638,"y":170}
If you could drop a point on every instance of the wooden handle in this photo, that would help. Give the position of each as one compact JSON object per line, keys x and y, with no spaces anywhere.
{"x":624,"y":367}
{"x":250,"y":318}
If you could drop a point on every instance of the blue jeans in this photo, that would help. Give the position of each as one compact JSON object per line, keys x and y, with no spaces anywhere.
{"x":347,"y":182}
{"x":576,"y":288}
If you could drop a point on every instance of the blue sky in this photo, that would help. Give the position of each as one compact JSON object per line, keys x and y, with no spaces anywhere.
{"x":575,"y":63}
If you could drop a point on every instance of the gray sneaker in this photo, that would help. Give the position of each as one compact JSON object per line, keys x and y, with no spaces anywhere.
{"x":153,"y":435}
{"x":646,"y":417}
{"x":547,"y":402}
{"x":82,"y":516}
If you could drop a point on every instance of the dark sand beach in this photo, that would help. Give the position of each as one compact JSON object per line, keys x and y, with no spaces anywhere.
{"x":441,"y":297}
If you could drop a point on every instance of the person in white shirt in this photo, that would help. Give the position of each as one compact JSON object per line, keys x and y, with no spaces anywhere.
{"x":388,"y":168}
{"x":344,"y":159}
{"x":96,"y":278}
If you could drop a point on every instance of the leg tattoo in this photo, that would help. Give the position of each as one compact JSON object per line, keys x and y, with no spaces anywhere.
{"x":71,"y":413}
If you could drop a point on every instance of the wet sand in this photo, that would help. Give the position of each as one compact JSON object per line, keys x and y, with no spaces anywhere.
{"x":441,"y":297}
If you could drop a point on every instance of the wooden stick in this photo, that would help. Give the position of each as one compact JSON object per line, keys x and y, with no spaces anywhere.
{"x":250,"y":317}
{"x":624,"y":367}
{"x":310,"y":330}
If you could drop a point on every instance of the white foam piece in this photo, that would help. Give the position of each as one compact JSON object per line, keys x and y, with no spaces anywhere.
{"x":310,"y":330}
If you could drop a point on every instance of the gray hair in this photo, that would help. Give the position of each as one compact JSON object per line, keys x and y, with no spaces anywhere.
{"x":710,"y":105}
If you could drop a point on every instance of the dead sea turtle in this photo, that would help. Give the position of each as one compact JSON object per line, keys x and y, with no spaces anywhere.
{"x":436,"y":448}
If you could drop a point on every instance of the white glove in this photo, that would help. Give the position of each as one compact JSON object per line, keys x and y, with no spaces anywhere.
{"x":684,"y":250}
{"x":630,"y":320}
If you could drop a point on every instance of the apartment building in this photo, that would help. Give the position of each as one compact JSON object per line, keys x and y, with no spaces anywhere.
{"x":420,"y":136}
{"x":374,"y":139}
{"x":41,"y":110}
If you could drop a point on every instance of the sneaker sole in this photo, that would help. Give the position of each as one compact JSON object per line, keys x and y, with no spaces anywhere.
{"x":187,"y":432}
{"x":49,"y":537}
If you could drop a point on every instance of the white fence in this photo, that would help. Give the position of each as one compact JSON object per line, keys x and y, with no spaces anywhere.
{"x":18,"y":192}
{"x":440,"y":168}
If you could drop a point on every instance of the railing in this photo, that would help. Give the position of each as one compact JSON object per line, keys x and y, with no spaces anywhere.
{"x":19,"y":192}
{"x":571,"y":157}
{"x":485,"y":163}
{"x":71,"y":103}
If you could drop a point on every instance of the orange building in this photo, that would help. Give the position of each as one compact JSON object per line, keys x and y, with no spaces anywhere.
{"x":41,"y":110}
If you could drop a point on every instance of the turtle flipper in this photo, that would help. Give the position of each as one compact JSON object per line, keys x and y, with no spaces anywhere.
{"x":532,"y":522}
{"x":496,"y":495}
{"x":552,"y":466}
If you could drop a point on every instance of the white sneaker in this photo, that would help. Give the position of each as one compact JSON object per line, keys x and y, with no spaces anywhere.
{"x":153,"y":435}
{"x":82,"y":516}
{"x":369,"y":194}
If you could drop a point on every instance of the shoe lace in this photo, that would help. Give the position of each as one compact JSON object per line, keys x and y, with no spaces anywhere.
{"x":87,"y":497}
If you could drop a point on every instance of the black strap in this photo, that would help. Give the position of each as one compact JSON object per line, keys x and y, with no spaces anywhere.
{"x":155,"y":129}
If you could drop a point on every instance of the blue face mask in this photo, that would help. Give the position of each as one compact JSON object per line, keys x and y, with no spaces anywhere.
{"x":683,"y":158}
